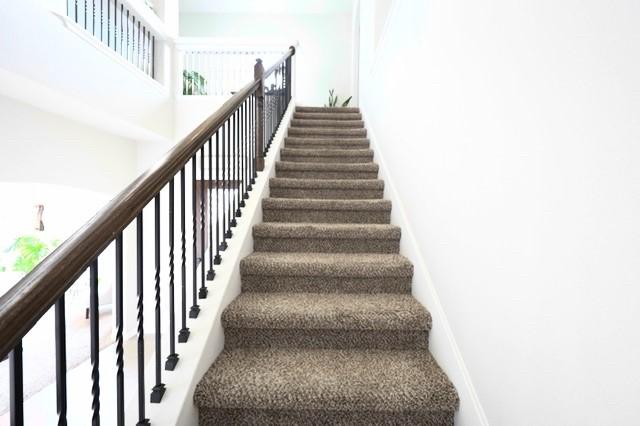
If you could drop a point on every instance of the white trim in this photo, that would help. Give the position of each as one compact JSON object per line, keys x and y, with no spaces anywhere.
{"x":231,"y":44}
{"x":29,"y":91}
{"x":207,"y":337}
{"x":382,"y":42}
{"x":355,"y":52}
{"x":449,"y":358}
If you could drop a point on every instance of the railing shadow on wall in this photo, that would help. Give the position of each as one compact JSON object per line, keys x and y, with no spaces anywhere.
{"x":233,"y":141}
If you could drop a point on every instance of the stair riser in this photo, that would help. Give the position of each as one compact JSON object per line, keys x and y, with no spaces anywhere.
{"x":313,"y":284}
{"x":242,"y":416}
{"x":300,"y":174}
{"x":326,"y":216}
{"x":310,"y":144}
{"x":323,"y":159}
{"x":352,"y":124}
{"x":326,"y":116}
{"x":325,"y":339}
{"x":325,"y":133}
{"x":325,"y":245}
{"x":326,"y":193}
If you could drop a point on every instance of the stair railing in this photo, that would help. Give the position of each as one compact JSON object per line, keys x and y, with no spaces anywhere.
{"x":235,"y":138}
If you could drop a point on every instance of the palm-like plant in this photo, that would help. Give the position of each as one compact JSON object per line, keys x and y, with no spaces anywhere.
{"x":193,"y":83}
{"x":333,"y":100}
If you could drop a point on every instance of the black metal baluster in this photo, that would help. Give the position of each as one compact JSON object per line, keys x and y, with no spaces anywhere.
{"x":115,"y":25}
{"x":172,"y":358}
{"x":241,"y":190}
{"x":245,"y":153}
{"x":128,"y":39}
{"x":140,"y":318}
{"x":211,"y":273}
{"x":143,"y":64}
{"x":108,"y":23}
{"x":218,"y":259}
{"x":254,"y":148}
{"x":75,"y":14}
{"x":138,"y":48}
{"x":16,"y":393}
{"x":61,"y":361}
{"x":229,"y":233}
{"x":234,"y":165}
{"x":153,"y":57}
{"x":121,"y":28}
{"x":202,"y":294}
{"x":158,"y":390}
{"x":195,"y":309}
{"x":133,"y":39}
{"x":223,"y":244}
{"x":95,"y":342}
{"x":101,"y":19}
{"x":183,"y":335}
{"x":93,"y":19}
{"x":119,"y":329}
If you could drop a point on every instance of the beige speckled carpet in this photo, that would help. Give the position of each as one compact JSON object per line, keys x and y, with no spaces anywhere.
{"x":326,"y":330}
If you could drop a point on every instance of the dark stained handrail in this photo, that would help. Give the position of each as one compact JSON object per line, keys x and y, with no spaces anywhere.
{"x":28,"y":300}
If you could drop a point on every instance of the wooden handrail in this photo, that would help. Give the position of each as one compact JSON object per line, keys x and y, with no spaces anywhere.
{"x":28,"y":300}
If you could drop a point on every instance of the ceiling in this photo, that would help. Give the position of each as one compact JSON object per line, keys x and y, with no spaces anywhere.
{"x":266,"y":6}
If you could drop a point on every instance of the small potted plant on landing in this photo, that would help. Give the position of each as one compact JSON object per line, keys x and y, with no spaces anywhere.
{"x":333,"y":100}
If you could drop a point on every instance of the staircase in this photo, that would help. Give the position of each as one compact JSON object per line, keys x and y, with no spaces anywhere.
{"x":325,"y":330}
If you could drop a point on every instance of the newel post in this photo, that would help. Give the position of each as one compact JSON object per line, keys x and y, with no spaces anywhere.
{"x":258,"y":74}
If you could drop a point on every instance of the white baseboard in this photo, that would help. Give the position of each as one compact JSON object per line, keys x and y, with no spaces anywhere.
{"x":442,"y":342}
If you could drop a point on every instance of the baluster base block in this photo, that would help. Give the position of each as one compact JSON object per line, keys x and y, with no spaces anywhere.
{"x":194,"y":311}
{"x":157,"y":393}
{"x":202,"y":293}
{"x":183,"y":335}
{"x":172,"y":361}
{"x":217,"y":259}
{"x":223,"y":245}
{"x":211,"y":274}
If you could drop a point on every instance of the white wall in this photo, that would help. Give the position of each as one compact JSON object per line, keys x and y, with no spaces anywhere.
{"x":510,"y":132}
{"x":323,"y":56}
{"x":36,"y":146}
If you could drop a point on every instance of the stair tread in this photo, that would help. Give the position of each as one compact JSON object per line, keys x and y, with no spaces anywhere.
{"x":314,"y":152}
{"x":326,"y":230}
{"x":319,"y":204}
{"x":279,"y":182}
{"x":332,"y":311}
{"x":328,"y":167}
{"x":339,"y":110}
{"x":353,"y":124}
{"x":327,"y":116}
{"x":326,"y":379}
{"x":324,"y":140}
{"x":327,"y":264}
{"x":327,"y":131}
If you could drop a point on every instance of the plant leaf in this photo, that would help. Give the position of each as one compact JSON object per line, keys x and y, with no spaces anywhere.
{"x":346,"y":103}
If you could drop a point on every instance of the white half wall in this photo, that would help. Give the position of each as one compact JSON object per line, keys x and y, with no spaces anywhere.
{"x":510,"y":132}
{"x":323,"y":55}
{"x":36,"y":45}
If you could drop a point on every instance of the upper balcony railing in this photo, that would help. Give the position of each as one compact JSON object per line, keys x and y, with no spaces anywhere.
{"x":200,"y":187}
{"x":115,"y":24}
{"x":215,"y":69}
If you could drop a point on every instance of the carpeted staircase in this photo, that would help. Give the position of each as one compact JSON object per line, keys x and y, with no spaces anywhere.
{"x":326,"y":330}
